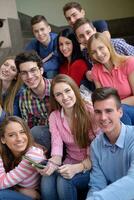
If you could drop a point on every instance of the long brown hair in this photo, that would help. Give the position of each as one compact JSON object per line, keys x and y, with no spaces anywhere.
{"x":115,"y":57}
{"x":7,"y":156}
{"x":16,"y":83}
{"x":81,"y":117}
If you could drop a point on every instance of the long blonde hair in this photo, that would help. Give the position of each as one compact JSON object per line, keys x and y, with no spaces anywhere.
{"x":14,"y":87}
{"x":81,"y":117}
{"x":115,"y":57}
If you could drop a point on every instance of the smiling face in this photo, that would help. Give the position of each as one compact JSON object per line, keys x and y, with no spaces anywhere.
{"x":15,"y":138}
{"x":73,"y":14}
{"x":42,"y":31}
{"x":30,"y":74}
{"x":64,"y":95}
{"x":65,"y":46}
{"x":84,"y":32}
{"x":8,"y":70}
{"x":99,"y":52}
{"x":108,"y":116}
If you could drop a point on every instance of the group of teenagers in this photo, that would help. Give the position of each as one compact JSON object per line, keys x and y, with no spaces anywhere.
{"x":68,"y":98}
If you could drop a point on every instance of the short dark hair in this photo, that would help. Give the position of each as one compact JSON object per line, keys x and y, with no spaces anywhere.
{"x":80,"y":22}
{"x":76,"y":53}
{"x":27,"y":56}
{"x":38,"y":18}
{"x":101,"y":94}
{"x":71,"y":5}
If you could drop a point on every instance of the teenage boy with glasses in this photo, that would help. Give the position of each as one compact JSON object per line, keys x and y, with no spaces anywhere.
{"x":34,"y":101}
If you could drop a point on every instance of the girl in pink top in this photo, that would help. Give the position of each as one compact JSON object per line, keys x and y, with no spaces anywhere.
{"x":112,"y":70}
{"x":16,"y":173}
{"x":71,"y":124}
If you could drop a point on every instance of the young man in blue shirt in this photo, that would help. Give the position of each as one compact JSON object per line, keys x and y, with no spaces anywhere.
{"x":112,"y":152}
{"x":74,"y":11}
{"x":45,"y":44}
{"x":84,"y":29}
{"x":34,"y":99}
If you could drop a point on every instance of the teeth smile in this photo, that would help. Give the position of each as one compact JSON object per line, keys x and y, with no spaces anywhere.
{"x":105,"y":123}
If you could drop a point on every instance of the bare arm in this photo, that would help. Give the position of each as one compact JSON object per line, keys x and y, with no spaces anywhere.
{"x":97,"y":84}
{"x":130,"y":100}
{"x":88,"y":75}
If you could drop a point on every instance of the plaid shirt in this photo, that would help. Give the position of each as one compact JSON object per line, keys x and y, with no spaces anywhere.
{"x":33,"y":109}
{"x":122,"y":47}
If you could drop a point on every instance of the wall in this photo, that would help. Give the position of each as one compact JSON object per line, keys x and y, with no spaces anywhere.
{"x":5,"y":13}
{"x":8,"y":12}
{"x":95,"y":9}
{"x":10,"y":33}
{"x":8,"y":9}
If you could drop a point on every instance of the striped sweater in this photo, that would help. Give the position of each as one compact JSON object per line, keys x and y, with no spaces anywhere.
{"x":24,"y":174}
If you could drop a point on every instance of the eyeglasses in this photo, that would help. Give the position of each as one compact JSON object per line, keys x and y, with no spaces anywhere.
{"x":32,"y":71}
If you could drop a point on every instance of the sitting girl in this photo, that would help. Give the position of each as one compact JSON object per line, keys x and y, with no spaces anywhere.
{"x":10,"y":88}
{"x":113,"y":70}
{"x":72,"y":124}
{"x":18,"y":178}
{"x":72,"y":62}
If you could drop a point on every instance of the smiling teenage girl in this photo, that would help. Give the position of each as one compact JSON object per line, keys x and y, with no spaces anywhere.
{"x":71,"y":123}
{"x":10,"y":85}
{"x":72,"y":62}
{"x":113,"y":70}
{"x":16,"y":173}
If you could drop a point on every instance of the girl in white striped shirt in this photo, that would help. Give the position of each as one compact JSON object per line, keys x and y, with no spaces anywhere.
{"x":16,"y":173}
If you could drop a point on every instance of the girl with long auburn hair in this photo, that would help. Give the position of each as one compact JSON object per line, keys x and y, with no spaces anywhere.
{"x":18,"y":178}
{"x":113,"y":70}
{"x":71,"y":124}
{"x":10,"y":88}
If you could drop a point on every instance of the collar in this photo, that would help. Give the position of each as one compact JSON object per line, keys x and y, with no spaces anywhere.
{"x":106,"y":70}
{"x":46,"y":90}
{"x":120,"y":141}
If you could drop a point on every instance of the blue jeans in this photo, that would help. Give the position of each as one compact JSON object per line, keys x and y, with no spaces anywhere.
{"x":128,"y":114}
{"x":8,"y":194}
{"x":58,"y":188}
{"x":42,"y":136}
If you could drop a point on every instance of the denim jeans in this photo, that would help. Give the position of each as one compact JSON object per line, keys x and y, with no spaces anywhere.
{"x":9,"y":194}
{"x":128,"y":114}
{"x":58,"y":188}
{"x":42,"y":136}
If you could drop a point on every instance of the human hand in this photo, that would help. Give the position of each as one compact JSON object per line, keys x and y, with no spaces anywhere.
{"x":0,"y":108}
{"x":52,"y":167}
{"x":67,"y":171}
{"x":88,"y":75}
{"x":48,"y":170}
{"x":41,"y":171}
